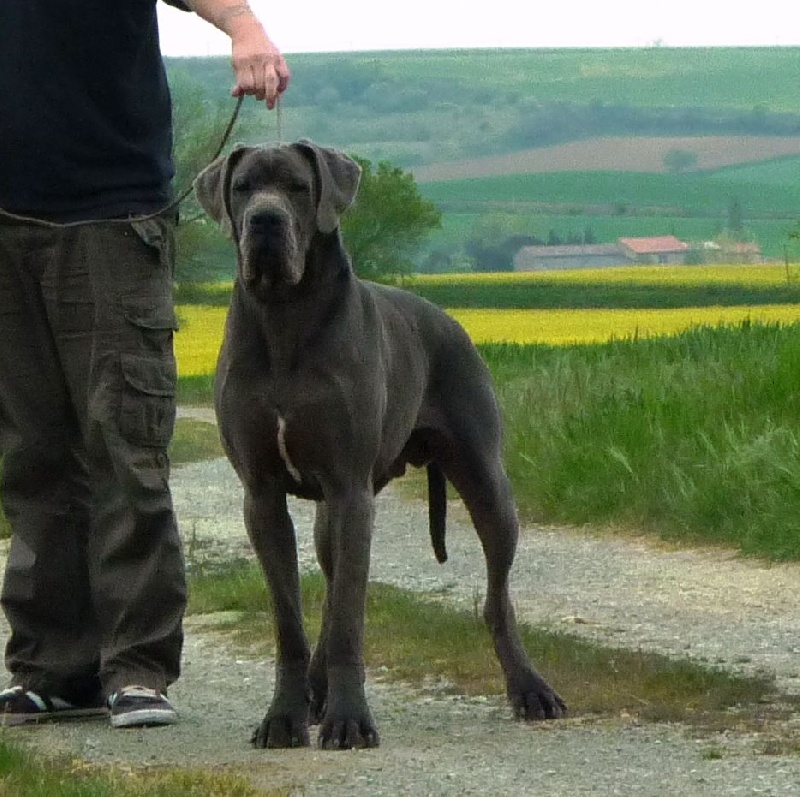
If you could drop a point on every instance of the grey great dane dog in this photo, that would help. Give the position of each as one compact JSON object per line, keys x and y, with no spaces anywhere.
{"x":327,"y":387}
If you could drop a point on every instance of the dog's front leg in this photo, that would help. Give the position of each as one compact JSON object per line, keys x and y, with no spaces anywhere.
{"x":347,"y":720}
{"x":272,"y":535}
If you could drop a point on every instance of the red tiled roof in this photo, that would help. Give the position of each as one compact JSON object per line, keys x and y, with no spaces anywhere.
{"x":652,"y":246}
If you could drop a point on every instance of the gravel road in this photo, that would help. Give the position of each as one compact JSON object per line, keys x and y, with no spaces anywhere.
{"x":707,"y":605}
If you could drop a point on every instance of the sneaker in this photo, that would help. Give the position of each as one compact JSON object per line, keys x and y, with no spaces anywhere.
{"x":138,"y":706}
{"x":20,"y":706}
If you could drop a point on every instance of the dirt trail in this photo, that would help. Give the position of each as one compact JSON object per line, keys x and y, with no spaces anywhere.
{"x":708,"y":605}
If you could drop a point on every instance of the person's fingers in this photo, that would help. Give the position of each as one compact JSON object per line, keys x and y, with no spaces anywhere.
{"x":264,"y":79}
{"x":284,"y":75}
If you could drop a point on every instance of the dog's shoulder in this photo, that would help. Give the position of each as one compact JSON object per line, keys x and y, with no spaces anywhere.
{"x":416,"y":313}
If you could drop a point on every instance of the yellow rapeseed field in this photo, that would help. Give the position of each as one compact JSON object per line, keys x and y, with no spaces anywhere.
{"x":198,"y":342}
{"x":560,"y":327}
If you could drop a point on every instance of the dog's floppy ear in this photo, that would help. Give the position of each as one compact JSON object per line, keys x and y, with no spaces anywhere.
{"x":338,"y":177}
{"x":212,"y":188}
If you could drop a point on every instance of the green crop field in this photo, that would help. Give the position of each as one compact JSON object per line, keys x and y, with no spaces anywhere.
{"x":612,"y":205}
{"x":694,"y":194}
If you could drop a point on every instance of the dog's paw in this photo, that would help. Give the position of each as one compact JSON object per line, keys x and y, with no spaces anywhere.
{"x":280,"y":731}
{"x":343,"y":731}
{"x":532,"y":698}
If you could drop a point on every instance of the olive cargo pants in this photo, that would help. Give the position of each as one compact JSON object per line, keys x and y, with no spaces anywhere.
{"x":94,"y":588}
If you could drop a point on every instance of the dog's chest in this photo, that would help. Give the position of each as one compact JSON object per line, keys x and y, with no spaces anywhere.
{"x":283,"y":450}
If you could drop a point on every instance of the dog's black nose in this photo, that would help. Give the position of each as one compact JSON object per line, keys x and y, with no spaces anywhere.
{"x":265,"y":221}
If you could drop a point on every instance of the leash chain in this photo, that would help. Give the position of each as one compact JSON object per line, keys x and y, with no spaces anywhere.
{"x":127,"y":220}
{"x":279,"y":119}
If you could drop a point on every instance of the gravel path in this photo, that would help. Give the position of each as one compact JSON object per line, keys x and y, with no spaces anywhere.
{"x":710,"y":606}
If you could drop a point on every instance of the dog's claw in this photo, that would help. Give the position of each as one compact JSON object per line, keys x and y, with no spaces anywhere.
{"x":348,"y":735}
{"x":531,"y":708}
{"x":536,"y":700}
{"x":280,"y":732}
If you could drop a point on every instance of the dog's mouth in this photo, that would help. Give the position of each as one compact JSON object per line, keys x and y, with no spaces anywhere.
{"x":269,"y":255}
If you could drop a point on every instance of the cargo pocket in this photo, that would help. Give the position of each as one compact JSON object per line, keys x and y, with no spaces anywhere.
{"x":154,"y":318}
{"x":147,"y":409}
{"x":149,"y":374}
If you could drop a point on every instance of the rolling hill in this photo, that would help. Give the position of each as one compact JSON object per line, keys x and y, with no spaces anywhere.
{"x":556,"y":144}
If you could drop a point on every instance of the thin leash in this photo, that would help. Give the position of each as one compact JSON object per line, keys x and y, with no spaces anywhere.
{"x":167,"y":208}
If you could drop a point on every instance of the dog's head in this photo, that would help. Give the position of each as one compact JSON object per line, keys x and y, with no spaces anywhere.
{"x":273,"y":200}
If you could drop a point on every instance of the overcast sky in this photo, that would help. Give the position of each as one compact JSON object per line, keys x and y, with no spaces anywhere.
{"x":315,"y":26}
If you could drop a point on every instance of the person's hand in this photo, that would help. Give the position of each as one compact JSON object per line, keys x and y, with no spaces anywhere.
{"x":261,"y":70}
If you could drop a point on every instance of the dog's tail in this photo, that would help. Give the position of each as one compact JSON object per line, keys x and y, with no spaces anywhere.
{"x":437,"y":510}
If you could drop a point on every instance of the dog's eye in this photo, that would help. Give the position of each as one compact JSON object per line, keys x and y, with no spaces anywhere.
{"x":241,"y":183}
{"x":298,"y":187}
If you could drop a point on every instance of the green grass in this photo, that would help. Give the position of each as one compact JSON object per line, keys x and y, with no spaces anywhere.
{"x":23,"y":773}
{"x":778,"y":171}
{"x":194,"y":441}
{"x":695,"y":438}
{"x":196,"y":390}
{"x":418,"y":640}
{"x":542,"y":294}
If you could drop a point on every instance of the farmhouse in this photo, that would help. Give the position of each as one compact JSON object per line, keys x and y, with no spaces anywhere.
{"x":666,"y":249}
{"x":551,"y":258}
{"x":662,"y":250}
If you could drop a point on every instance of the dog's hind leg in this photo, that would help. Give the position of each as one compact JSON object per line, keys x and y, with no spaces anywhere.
{"x":486,"y":491}
{"x":272,"y":535}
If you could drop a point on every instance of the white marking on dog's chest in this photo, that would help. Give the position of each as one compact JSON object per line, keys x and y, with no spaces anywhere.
{"x":283,"y":451}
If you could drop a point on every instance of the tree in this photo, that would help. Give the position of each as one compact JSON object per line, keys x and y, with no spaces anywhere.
{"x":495,"y":238}
{"x":680,"y":160}
{"x":199,"y":125}
{"x":735,"y":218}
{"x":388,"y":223}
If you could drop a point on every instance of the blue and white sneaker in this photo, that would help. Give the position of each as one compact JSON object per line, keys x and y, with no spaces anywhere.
{"x":20,"y":706}
{"x":139,"y":706}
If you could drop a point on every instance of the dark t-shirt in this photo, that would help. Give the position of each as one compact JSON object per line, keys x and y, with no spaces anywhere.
{"x":85,"y":113}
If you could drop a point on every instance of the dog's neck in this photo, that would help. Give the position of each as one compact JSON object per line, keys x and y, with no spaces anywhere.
{"x":326,"y":261}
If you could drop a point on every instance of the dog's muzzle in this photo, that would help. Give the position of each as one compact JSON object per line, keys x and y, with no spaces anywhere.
{"x":268,"y":246}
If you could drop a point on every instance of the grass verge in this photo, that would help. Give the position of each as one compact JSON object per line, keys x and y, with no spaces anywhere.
{"x":695,"y":437}
{"x":194,"y":441}
{"x":25,"y":774}
{"x":420,"y":641}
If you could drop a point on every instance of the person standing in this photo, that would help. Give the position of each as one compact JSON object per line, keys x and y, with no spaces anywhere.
{"x":94,"y":589}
